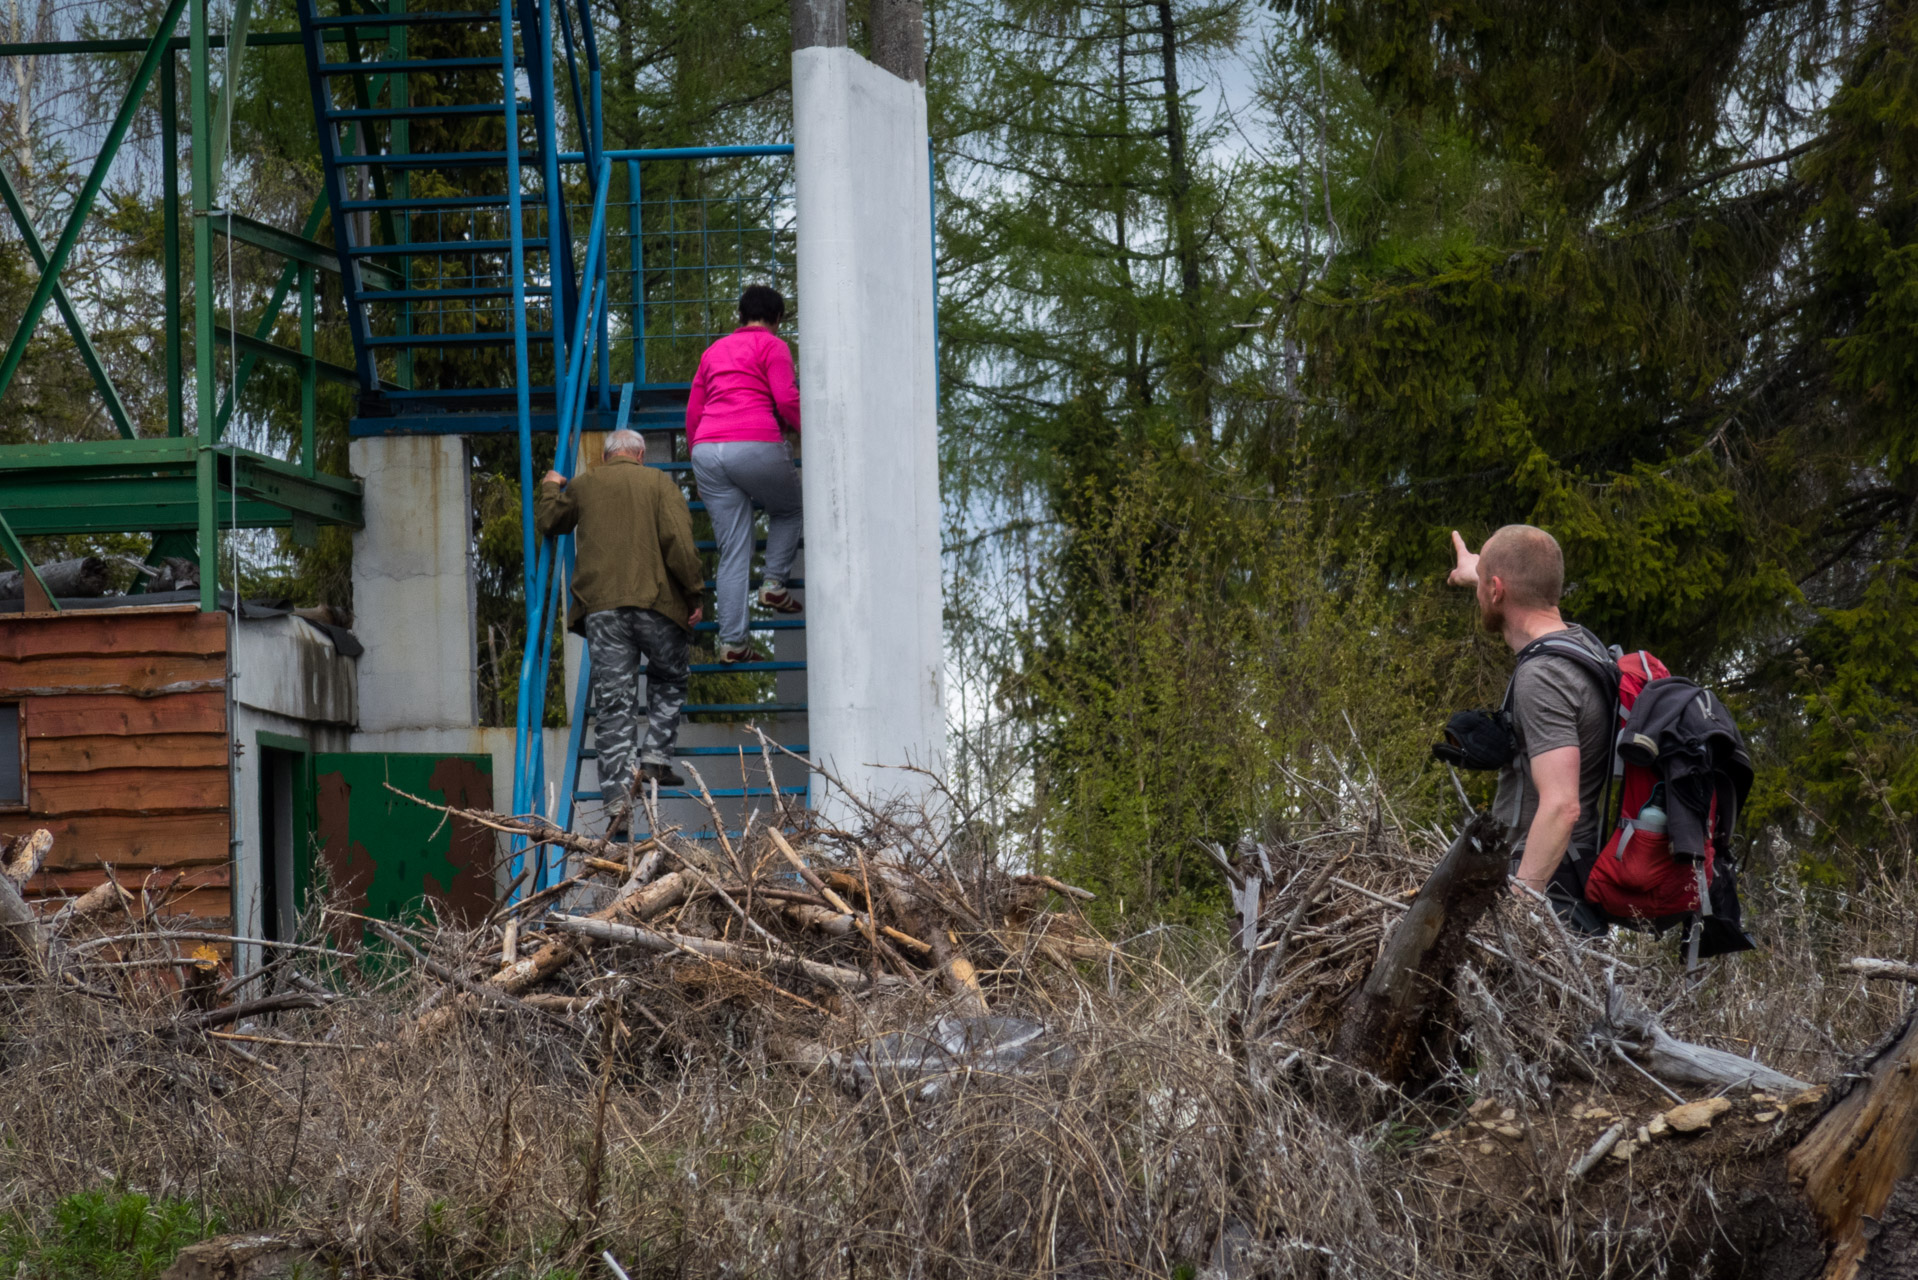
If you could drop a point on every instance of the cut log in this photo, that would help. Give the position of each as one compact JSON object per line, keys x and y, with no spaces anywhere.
{"x":100,"y":899}
{"x":72,"y":579}
{"x":26,"y":854}
{"x":1853,"y":1160}
{"x":641,"y":904}
{"x":1385,"y":1022}
{"x":668,"y":943}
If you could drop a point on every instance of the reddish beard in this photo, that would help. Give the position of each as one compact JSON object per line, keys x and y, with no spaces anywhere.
{"x":1491,"y":616}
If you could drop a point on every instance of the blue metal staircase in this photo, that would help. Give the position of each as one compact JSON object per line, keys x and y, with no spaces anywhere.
{"x":458,"y":254}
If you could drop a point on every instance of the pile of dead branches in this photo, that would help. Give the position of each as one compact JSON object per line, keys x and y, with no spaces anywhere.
{"x":804,"y":923}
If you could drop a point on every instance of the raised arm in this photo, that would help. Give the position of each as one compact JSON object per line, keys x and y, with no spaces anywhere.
{"x":1465,"y":571}
{"x":555,"y":510}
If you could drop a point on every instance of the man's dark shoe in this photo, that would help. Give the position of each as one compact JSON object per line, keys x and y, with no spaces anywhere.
{"x":662,"y":774}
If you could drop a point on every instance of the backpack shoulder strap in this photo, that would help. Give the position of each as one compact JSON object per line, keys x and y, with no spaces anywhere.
{"x":1604,"y":673}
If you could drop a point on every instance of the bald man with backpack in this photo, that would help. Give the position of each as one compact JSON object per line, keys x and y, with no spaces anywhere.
{"x":1551,"y":792}
{"x":1619,"y":783}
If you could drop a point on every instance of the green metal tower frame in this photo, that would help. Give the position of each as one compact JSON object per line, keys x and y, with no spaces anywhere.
{"x":183,"y":487}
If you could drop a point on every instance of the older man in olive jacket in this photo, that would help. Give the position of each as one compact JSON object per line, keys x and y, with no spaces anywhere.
{"x":637,"y":583}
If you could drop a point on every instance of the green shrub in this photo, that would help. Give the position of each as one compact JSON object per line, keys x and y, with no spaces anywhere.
{"x":103,"y":1235}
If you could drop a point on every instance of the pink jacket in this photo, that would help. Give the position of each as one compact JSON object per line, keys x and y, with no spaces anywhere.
{"x":744,"y":389}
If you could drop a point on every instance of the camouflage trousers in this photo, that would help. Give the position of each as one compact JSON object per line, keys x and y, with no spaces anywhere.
{"x":625,"y":644}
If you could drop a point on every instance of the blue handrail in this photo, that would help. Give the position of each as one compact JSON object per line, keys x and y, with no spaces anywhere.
{"x":543,"y":580}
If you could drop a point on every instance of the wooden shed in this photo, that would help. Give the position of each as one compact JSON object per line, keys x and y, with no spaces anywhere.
{"x":114,"y":735}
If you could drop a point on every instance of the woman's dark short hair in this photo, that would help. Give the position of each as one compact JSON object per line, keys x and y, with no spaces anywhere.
{"x":761,"y":304}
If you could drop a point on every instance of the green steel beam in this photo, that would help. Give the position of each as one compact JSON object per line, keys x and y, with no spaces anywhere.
{"x":106,"y":486}
{"x":200,"y":115}
{"x":270,"y":317}
{"x":309,"y":378}
{"x":96,"y":178}
{"x":280,"y":484}
{"x":260,"y":349}
{"x":160,"y":505}
{"x":88,"y":356}
{"x":301,"y":248}
{"x":170,"y":216}
{"x":133,"y":456}
{"x":18,"y":554}
{"x":58,"y":48}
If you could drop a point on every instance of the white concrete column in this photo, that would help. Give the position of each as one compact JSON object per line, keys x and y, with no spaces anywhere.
{"x":874,"y":643}
{"x":413,"y":597}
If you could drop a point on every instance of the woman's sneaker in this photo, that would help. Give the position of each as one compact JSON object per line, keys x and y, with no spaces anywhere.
{"x":748,"y":652}
{"x":774,"y":596}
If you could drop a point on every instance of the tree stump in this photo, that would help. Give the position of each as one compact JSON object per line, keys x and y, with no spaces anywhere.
{"x":1385,"y":1022}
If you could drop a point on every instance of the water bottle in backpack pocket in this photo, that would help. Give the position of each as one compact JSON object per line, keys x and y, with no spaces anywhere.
{"x":1636,"y":876}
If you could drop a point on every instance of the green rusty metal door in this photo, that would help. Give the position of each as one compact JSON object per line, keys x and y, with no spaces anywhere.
{"x":383,"y":855}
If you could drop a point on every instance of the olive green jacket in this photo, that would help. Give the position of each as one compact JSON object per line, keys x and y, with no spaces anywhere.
{"x":633,"y":540}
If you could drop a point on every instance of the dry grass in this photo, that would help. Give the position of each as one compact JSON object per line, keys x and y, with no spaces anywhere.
{"x":697,"y":1142}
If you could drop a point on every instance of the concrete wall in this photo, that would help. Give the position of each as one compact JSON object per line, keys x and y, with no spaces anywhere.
{"x":413,"y":597}
{"x":874,"y":642}
{"x":291,"y":682}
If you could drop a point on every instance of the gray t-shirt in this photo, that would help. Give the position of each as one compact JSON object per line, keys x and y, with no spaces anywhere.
{"x":1556,"y":703}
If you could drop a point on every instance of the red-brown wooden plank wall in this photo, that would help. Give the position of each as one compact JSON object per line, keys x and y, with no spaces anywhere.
{"x":124,"y":715}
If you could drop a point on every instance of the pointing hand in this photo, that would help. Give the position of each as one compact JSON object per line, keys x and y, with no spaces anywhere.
{"x":1465,"y":573}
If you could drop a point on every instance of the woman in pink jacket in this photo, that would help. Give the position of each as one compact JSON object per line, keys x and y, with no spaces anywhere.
{"x":743,"y":394}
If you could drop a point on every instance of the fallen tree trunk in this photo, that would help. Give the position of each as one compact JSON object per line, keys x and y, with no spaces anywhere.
{"x":74,"y":579}
{"x":1385,"y":1022}
{"x":1887,"y":970}
{"x":1682,"y":1062}
{"x":20,"y":924}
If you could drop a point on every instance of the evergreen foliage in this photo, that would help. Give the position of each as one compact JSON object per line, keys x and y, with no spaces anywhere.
{"x":1642,"y":273}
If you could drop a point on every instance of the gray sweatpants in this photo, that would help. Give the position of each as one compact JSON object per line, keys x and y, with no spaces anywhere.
{"x":731,"y":474}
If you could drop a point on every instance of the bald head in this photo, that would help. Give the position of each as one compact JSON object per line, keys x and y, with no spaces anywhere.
{"x":1528,"y":561}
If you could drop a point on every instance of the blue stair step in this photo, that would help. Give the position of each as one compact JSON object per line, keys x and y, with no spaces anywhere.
{"x":453,"y":339}
{"x":745,"y":708}
{"x":432,"y":246}
{"x":759,"y":544}
{"x":717,"y":793}
{"x":757,"y":624}
{"x":430,"y":204}
{"x":756,"y":579}
{"x":447,"y":295}
{"x":409,"y":66}
{"x":449,"y":160}
{"x":495,"y":109}
{"x":409,"y":19}
{"x":797,"y":748}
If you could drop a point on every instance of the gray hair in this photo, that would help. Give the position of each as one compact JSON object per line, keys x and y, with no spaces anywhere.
{"x":625,"y":441}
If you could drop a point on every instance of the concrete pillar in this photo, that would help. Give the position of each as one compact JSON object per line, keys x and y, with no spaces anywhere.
{"x":413,"y":597}
{"x":874,"y":644}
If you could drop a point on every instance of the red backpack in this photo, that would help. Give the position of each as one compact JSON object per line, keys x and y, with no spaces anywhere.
{"x":1635,"y":876}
